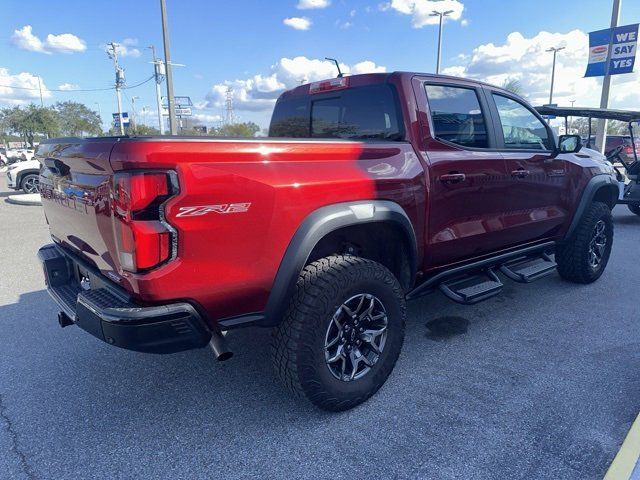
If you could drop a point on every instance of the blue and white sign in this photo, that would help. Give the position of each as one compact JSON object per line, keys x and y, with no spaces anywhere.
{"x":612,"y":51}
{"x":125,"y":119}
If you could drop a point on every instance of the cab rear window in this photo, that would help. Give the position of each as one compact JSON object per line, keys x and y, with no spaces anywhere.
{"x":368,"y":112}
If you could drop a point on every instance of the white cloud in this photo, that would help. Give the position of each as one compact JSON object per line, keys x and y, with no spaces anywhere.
{"x":421,"y":10}
{"x":207,"y":118}
{"x":297,"y":23}
{"x":309,"y":4}
{"x":344,"y":25}
{"x":464,"y":22}
{"x":259,"y":92}
{"x":127,"y":48}
{"x":524,"y":59}
{"x":68,"y":86}
{"x":20,"y":89}
{"x":25,"y":39}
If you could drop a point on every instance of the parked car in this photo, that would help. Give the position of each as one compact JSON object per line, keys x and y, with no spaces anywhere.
{"x":27,"y":154}
{"x":24,"y":175}
{"x":372,"y":190}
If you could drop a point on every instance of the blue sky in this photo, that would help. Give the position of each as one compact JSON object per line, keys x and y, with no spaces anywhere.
{"x":246,"y":44}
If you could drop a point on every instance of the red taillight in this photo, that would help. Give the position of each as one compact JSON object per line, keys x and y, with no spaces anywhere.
{"x":143,"y":239}
{"x":328,"y":85}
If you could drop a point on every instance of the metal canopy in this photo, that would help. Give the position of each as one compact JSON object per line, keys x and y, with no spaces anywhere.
{"x":606,"y":113}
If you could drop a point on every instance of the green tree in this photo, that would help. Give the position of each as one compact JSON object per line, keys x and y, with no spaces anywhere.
{"x":513,"y":85}
{"x":76,"y":119}
{"x":29,"y":121}
{"x":246,"y":129}
{"x":141,"y":129}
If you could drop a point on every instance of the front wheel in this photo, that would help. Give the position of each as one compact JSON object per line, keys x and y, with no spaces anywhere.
{"x":30,"y":183}
{"x":583,"y":258}
{"x":342,"y":333}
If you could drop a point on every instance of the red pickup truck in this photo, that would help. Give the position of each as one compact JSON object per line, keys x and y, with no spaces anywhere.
{"x":370,"y":190}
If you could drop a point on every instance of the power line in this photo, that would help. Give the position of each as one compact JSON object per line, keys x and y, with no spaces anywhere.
{"x":82,"y":89}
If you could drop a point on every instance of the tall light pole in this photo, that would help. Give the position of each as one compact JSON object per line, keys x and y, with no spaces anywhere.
{"x":159,"y":73}
{"x":133,"y":108}
{"x":601,"y":128}
{"x":555,"y":51}
{"x":436,"y":13}
{"x":167,"y":61}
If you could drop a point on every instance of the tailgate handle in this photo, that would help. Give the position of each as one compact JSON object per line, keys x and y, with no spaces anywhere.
{"x":56,"y":166}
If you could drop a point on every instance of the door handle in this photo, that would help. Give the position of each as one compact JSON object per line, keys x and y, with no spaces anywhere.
{"x":453,"y":178}
{"x":520,"y":173}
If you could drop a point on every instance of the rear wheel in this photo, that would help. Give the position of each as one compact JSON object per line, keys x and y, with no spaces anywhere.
{"x":583,"y":258}
{"x":342,"y":333}
{"x":634,"y":209}
{"x":30,"y":183}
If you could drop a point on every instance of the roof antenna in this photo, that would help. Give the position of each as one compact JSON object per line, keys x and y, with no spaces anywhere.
{"x":340,"y":74}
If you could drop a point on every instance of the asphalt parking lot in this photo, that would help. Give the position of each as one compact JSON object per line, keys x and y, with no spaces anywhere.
{"x":540,"y":382}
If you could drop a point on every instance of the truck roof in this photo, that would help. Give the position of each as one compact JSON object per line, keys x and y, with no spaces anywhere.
{"x":373,"y":78}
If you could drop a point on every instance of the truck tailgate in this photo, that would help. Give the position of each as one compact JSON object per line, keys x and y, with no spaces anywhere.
{"x":75,"y":183}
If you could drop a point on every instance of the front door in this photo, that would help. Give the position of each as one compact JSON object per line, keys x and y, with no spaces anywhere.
{"x":538,"y":193}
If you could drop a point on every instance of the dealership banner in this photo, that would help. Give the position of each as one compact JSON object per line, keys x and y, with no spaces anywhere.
{"x":612,"y":51}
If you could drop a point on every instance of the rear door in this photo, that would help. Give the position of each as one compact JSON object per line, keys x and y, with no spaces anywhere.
{"x":466,"y":173}
{"x":537,"y":188}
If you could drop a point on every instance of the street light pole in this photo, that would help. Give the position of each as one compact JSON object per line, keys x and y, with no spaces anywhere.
{"x":555,"y":51}
{"x":436,"y":13}
{"x":601,"y":128}
{"x":167,"y":61}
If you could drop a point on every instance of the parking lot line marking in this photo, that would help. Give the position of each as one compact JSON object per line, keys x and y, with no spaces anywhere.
{"x":626,"y":460}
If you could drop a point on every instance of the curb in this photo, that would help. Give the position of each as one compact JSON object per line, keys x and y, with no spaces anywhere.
{"x":25,"y":199}
{"x":626,"y":464}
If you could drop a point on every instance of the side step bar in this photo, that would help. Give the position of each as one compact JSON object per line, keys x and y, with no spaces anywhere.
{"x":472,"y":289}
{"x":528,"y":269}
{"x":477,"y":281}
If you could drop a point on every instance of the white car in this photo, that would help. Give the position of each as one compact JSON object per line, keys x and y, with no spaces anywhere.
{"x":24,"y":176}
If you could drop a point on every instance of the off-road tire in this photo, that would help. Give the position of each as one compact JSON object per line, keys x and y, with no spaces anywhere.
{"x":634,"y":209}
{"x":298,"y":343}
{"x":572,"y":256}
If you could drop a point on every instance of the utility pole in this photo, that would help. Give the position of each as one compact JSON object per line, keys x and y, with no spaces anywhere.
{"x":113,"y":54}
{"x":555,"y":51}
{"x":601,"y":128}
{"x":159,"y":72}
{"x":167,"y":61}
{"x":436,"y":13}
{"x":40,"y":88}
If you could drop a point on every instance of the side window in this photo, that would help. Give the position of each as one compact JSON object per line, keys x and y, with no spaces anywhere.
{"x":520,"y":127}
{"x":457,"y":116}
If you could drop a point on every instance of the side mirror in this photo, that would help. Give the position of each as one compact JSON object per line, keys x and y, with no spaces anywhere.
{"x":569,"y":144}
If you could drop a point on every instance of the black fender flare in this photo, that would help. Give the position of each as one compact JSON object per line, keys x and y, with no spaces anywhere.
{"x":593,"y":187}
{"x":21,"y":175}
{"x":315,"y":227}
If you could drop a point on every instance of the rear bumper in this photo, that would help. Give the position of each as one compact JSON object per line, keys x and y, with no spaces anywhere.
{"x":109,"y":315}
